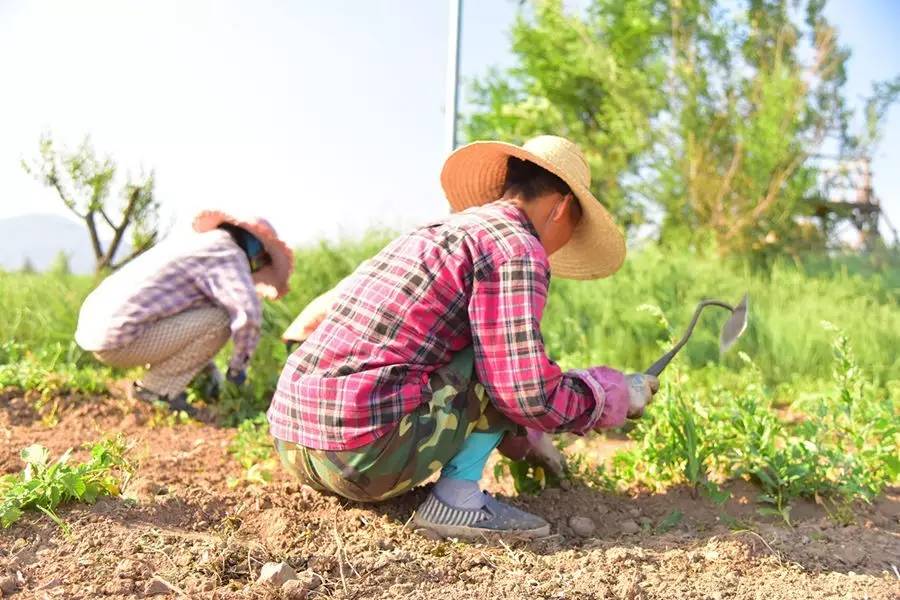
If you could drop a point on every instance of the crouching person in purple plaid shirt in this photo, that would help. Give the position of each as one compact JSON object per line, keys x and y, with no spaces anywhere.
{"x":430,"y":354}
{"x":175,"y":306}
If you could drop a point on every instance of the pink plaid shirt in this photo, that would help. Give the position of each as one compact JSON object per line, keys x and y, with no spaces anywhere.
{"x":476,"y":278}
{"x":207,"y":269}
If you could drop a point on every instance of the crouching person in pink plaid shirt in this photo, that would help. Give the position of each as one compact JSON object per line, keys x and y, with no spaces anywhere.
{"x":430,"y":354}
{"x":175,"y":306}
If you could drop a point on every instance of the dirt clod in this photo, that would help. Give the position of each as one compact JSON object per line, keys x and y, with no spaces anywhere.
{"x":309,"y":579}
{"x":582,"y":526}
{"x":52,"y":583}
{"x":276,"y":574}
{"x":629,"y":527}
{"x":300,"y":588}
{"x":294,"y":590}
{"x":8,"y":584}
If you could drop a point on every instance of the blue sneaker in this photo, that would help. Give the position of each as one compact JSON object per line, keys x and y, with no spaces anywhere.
{"x":494,"y":517}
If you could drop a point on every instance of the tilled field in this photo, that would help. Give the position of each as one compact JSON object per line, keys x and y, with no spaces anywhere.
{"x":181,"y":531}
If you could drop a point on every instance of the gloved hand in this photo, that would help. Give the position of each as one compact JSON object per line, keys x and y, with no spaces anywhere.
{"x":641,"y":389}
{"x":536,"y":447}
{"x":236,"y":376}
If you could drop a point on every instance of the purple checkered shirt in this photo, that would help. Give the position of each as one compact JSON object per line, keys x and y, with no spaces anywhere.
{"x":477,"y":278}
{"x":207,"y":269}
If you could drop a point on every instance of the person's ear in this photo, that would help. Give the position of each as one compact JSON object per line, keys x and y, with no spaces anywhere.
{"x":576,"y":212}
{"x":559,"y":211}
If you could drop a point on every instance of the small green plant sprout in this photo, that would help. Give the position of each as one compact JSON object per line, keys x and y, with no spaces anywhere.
{"x":670,"y":521}
{"x":526,"y":478}
{"x":52,"y":370}
{"x":252,"y":449}
{"x":43,"y":485}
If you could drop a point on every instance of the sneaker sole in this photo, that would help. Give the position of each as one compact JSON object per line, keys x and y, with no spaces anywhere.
{"x":464,"y":531}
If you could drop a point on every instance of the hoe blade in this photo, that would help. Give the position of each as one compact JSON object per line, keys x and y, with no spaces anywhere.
{"x":735,"y":326}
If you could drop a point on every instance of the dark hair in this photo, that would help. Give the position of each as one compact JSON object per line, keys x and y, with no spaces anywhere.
{"x":238,"y":234}
{"x":529,"y":181}
{"x":250,"y":244}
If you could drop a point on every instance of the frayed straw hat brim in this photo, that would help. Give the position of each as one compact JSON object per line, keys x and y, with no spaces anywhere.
{"x":272,"y":281}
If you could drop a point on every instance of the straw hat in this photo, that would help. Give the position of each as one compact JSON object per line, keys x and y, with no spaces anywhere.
{"x":272,"y":280}
{"x":474,"y":175}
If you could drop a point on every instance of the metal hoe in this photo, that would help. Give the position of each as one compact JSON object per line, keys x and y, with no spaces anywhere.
{"x":732,"y":330}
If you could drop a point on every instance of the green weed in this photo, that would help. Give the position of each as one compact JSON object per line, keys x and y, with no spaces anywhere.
{"x":43,"y":485}
{"x":252,"y":449}
{"x":51,"y":370}
{"x":844,"y":449}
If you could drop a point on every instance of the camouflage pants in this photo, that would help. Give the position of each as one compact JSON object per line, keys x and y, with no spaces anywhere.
{"x":417,"y":448}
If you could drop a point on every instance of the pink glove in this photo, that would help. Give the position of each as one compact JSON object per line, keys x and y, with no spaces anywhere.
{"x":616,"y":406}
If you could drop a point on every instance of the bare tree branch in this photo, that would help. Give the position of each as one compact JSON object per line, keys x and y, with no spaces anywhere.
{"x":106,"y":218}
{"x":135,"y":252}
{"x":119,"y":231}
{"x":70,"y":204}
{"x":95,"y":239}
{"x":725,"y":186}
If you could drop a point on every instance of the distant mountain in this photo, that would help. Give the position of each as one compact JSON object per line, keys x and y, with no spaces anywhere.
{"x":39,"y":238}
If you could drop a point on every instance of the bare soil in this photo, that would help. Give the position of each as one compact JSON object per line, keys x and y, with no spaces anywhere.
{"x":182,"y":532}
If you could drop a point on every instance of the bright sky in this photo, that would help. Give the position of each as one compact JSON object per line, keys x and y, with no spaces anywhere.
{"x":326,"y":117}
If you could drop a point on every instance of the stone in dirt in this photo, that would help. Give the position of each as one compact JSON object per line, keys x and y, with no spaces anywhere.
{"x":155,"y":587}
{"x":629,"y":527}
{"x":276,"y":574}
{"x":582,"y":526}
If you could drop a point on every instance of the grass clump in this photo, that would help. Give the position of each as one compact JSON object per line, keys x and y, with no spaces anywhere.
{"x":55,"y":369}
{"x":252,"y":449}
{"x":43,"y":485}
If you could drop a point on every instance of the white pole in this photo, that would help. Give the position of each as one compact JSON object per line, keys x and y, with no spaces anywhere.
{"x":451,"y":105}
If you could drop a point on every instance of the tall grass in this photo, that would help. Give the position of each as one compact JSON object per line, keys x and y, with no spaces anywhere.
{"x":41,"y":309}
{"x":602,"y":321}
{"x":585,"y":323}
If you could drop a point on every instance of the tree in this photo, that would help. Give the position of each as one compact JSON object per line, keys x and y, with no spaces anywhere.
{"x":595,"y":79}
{"x":60,"y":264}
{"x":748,"y":114}
{"x":83,"y":182}
{"x":709,"y":112}
{"x":27,"y":267}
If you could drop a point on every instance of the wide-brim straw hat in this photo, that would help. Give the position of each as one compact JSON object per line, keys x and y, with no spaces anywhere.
{"x":474,"y":174}
{"x":272,"y":280}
